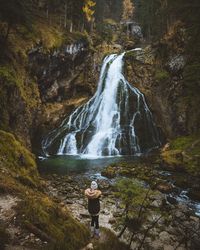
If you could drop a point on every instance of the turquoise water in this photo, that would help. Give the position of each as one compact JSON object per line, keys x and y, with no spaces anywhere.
{"x":76,"y":165}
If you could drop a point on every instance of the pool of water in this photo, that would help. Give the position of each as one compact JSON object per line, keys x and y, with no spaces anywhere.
{"x":77,"y":165}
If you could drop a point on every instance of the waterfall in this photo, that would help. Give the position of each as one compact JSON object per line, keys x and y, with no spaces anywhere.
{"x":115,"y":121}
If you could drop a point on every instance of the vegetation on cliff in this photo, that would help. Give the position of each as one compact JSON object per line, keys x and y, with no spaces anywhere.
{"x":183,"y":154}
{"x":35,"y":212}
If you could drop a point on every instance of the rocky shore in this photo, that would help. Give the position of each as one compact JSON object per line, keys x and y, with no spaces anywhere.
{"x":176,"y":226}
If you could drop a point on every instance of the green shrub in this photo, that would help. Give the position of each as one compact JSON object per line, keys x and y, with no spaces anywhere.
{"x":161,"y":75}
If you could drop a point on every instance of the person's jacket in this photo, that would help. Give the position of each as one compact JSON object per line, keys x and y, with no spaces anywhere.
{"x":93,"y":200}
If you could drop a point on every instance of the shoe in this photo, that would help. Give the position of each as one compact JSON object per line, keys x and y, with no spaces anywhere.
{"x":97,"y":234}
{"x":92,"y":232}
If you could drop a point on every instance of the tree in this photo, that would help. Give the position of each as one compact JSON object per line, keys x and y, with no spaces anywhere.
{"x":136,"y":201}
{"x":128,"y":10}
{"x":88,"y":10}
{"x":13,"y":13}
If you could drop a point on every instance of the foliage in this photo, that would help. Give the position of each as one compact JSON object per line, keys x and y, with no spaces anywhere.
{"x":187,"y":143}
{"x":132,"y":194}
{"x":184,"y":152}
{"x":161,"y":75}
{"x":111,"y":9}
{"x":128,"y":10}
{"x":105,"y":31}
{"x":15,"y":12}
{"x":88,"y":9}
{"x":136,"y":201}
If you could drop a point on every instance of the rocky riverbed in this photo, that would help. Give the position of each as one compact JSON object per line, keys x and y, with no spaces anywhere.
{"x":175,"y":225}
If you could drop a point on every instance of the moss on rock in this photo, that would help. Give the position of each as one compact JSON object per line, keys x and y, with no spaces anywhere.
{"x":36,"y":212}
{"x":52,"y":222}
{"x":17,"y":160}
{"x":184,"y":154}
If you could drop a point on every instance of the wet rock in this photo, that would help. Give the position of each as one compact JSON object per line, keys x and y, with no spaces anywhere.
{"x":104,"y":184}
{"x":172,"y":200}
{"x":164,"y":187}
{"x":109,"y":172}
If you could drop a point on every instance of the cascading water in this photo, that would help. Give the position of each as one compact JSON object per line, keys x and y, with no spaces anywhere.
{"x":115,"y":121}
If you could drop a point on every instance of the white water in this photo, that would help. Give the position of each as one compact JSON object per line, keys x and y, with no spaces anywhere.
{"x":115,"y":121}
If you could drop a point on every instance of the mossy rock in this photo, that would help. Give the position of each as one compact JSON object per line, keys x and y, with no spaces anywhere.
{"x":52,"y":222}
{"x":184,"y":154}
{"x":17,"y":160}
{"x":109,"y":172}
{"x":173,"y":157}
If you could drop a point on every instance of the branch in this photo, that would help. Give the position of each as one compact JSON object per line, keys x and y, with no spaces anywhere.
{"x":142,"y":205}
{"x":148,"y":229}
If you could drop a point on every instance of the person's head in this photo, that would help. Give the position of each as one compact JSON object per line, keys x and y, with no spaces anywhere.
{"x":93,"y":185}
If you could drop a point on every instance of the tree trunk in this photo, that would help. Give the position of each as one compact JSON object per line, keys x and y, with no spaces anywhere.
{"x":65,"y":22}
{"x":47,"y":12}
{"x":7,"y":33}
{"x":71,"y":27}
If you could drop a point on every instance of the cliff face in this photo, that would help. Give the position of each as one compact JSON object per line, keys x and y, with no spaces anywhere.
{"x":19,"y":102}
{"x":65,"y":78}
{"x":160,"y":72}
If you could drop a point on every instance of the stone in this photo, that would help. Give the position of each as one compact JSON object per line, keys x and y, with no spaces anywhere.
{"x":195,"y":219}
{"x":112,"y":221}
{"x":172,"y":200}
{"x":104,"y":184}
{"x":164,"y":187}
{"x":165,"y":237}
{"x":156,"y":203}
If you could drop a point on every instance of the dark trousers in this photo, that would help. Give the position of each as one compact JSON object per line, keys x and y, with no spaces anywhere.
{"x":95,"y":221}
